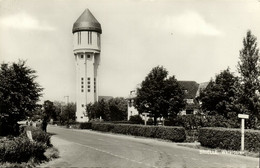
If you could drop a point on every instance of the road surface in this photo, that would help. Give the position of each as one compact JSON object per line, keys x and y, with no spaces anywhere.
{"x":85,"y":148}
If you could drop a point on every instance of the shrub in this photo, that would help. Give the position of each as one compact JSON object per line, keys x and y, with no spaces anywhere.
{"x":21,"y":149}
{"x":229,"y":139}
{"x":120,"y":122}
{"x":187,"y":121}
{"x":38,"y":135}
{"x":176,"y":134}
{"x":190,"y":122}
{"x":85,"y":125}
{"x":136,"y":119}
{"x":149,"y":121}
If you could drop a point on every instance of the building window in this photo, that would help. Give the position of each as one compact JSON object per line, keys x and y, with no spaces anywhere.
{"x":82,"y":79}
{"x":88,"y":86}
{"x":79,"y":38}
{"x":88,"y":78}
{"x":82,"y":83}
{"x":88,"y":82}
{"x":82,"y":105}
{"x":82,"y":56}
{"x":89,"y":37}
{"x":98,"y":40}
{"x":82,"y":86}
{"x":88,"y":90}
{"x":88,"y":56}
{"x":95,"y":90}
{"x":82,"y":90}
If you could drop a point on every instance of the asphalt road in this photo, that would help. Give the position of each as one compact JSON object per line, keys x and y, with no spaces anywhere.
{"x":84,"y":148}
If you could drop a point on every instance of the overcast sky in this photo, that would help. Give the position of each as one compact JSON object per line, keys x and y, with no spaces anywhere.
{"x":192,"y":39}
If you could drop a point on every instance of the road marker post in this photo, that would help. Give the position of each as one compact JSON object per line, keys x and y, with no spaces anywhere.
{"x":145,"y":118}
{"x":243,"y":117}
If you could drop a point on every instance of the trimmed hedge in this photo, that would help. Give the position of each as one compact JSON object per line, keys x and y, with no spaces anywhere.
{"x":103,"y":127}
{"x":175,"y":134}
{"x":230,"y":139}
{"x":85,"y":125}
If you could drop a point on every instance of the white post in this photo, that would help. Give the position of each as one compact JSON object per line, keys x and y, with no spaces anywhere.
{"x":145,"y":118}
{"x":242,"y":133}
{"x":243,"y":117}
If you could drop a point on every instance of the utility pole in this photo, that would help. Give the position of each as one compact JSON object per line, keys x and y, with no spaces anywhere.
{"x":68,"y":117}
{"x":68,"y":98}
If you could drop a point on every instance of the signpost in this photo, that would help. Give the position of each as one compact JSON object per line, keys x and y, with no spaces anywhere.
{"x":243,"y":117}
{"x":29,"y":135}
{"x":145,"y":118}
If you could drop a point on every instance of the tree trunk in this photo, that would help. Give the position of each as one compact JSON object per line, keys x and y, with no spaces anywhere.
{"x":155,"y":120}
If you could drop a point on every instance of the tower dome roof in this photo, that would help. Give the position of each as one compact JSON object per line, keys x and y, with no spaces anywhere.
{"x":88,"y":22}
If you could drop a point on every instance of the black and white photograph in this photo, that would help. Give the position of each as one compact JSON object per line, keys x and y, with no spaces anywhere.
{"x":130,"y":83}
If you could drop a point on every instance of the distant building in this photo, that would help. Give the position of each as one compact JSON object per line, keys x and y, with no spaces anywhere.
{"x":190,"y":88}
{"x":191,"y":92}
{"x":131,"y":110}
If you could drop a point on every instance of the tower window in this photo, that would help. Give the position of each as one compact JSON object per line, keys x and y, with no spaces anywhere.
{"x":79,"y":37}
{"x":89,"y":37}
{"x":98,"y":40}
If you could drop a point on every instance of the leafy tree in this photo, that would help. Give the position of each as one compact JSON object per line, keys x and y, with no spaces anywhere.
{"x":49,"y":110}
{"x":220,"y":95}
{"x":249,"y":70}
{"x":19,"y":92}
{"x":99,"y":109}
{"x":68,"y":114}
{"x":36,"y":114}
{"x":118,"y":109}
{"x":159,"y":95}
{"x":114,"y":109}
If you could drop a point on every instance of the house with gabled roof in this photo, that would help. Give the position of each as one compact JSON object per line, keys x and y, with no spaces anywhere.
{"x":191,"y":92}
{"x":190,"y":88}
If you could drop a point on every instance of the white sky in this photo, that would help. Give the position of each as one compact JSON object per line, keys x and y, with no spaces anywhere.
{"x":192,"y":39}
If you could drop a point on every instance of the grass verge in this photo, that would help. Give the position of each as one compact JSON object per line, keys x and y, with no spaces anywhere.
{"x":217,"y":151}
